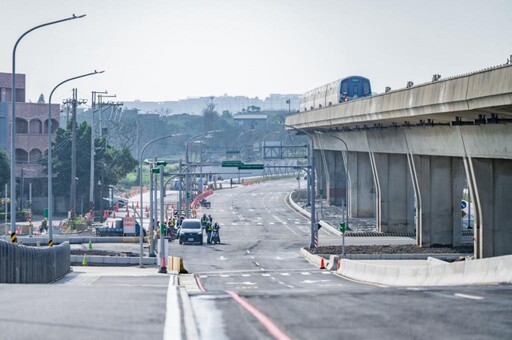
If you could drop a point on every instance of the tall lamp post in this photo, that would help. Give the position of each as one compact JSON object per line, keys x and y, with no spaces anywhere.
{"x":346,"y":192}
{"x":314,"y":228}
{"x":141,"y":233}
{"x":13,"y":116}
{"x":187,"y":179}
{"x":50,"y":162}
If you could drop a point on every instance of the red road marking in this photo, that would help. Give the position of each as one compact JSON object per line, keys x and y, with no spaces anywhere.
{"x":200,"y":285}
{"x":265,"y":321}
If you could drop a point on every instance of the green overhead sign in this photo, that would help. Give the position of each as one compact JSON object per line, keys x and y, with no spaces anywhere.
{"x":251,"y":167}
{"x":231,"y":164}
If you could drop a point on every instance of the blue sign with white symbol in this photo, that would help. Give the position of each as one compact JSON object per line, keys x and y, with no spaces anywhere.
{"x":463,"y":204}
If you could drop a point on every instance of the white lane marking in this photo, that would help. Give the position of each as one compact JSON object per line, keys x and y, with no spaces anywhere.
{"x":224,"y":275}
{"x":172,"y":329}
{"x":203,"y":276}
{"x":256,"y":263}
{"x":285,"y":274}
{"x":246,"y":275}
{"x":248,"y":251}
{"x":252,"y":257}
{"x":466,"y":296}
{"x":271,"y":223}
{"x":326,"y":273}
{"x":306,"y":273}
{"x":284,"y":223}
{"x":414,"y":288}
{"x":315,"y":281}
{"x":247,"y":283}
{"x":265,"y":274}
{"x":273,"y":278}
{"x":221,"y":258}
{"x":284,"y":284}
{"x":259,"y":223}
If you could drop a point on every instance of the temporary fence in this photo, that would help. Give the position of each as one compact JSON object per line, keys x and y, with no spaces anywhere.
{"x":23,"y":264}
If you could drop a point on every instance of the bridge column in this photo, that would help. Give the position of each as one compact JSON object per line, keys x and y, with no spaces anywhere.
{"x":337,"y":177}
{"x":491,"y":182}
{"x":362,"y":191}
{"x":439,"y":182}
{"x":394,"y":193}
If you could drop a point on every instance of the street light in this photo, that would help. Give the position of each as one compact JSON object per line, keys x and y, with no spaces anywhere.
{"x":187,"y":179}
{"x":50,"y":164}
{"x":346,"y":191}
{"x":91,"y":180}
{"x":314,"y":228}
{"x":13,"y":116}
{"x":141,"y":233}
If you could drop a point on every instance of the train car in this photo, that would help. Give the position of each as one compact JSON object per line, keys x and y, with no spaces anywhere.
{"x":336,"y":92}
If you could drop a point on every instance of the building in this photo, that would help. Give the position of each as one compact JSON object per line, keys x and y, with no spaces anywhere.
{"x":31,"y":137}
{"x":250,"y":121}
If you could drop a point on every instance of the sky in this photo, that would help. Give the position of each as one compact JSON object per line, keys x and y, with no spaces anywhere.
{"x":157,"y":50}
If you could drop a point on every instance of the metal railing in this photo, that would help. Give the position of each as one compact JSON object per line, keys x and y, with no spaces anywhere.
{"x":22,"y":264}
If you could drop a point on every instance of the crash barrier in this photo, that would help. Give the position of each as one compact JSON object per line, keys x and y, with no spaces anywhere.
{"x":430,"y":273}
{"x":175,"y":263}
{"x":22,"y":264}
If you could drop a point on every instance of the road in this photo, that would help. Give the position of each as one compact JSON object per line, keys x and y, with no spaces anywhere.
{"x":254,"y":285}
{"x":259,"y":260}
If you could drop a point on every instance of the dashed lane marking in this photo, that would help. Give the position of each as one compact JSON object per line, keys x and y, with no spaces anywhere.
{"x":466,"y":296}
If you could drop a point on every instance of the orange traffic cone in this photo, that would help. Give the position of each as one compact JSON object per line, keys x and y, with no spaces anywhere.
{"x":163,"y":266}
{"x":322,"y":263}
{"x":339,"y":265}
{"x":18,"y":230}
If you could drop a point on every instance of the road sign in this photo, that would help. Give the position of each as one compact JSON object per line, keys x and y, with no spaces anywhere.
{"x":231,"y":164}
{"x":251,"y":167}
{"x":129,"y":225}
{"x":463,"y":204}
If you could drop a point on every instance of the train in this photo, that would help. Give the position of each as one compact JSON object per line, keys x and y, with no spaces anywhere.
{"x":336,"y":92}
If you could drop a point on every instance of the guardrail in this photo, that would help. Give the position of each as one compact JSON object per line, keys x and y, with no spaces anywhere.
{"x":22,"y":264}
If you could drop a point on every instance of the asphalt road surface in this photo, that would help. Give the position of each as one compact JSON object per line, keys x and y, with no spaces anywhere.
{"x":254,"y":285}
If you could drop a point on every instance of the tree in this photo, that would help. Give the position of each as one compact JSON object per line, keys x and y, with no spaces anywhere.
{"x":5,"y":172}
{"x":210,"y":116}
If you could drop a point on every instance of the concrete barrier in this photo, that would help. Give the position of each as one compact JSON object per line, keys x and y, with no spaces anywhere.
{"x":429,"y":272}
{"x":22,"y":264}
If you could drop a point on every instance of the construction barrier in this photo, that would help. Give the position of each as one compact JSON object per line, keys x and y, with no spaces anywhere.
{"x":175,"y":264}
{"x":22,"y":264}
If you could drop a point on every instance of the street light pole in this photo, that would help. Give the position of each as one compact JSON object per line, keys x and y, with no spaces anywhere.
{"x":346,"y":191}
{"x":141,"y":233}
{"x":314,"y":228}
{"x":13,"y":116}
{"x":50,"y":162}
{"x":187,"y":178}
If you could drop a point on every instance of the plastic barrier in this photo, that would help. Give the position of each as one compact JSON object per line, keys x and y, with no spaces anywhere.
{"x":22,"y":264}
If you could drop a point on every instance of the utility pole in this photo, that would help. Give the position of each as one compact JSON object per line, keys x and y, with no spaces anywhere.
{"x":74,"y":103}
{"x":93,"y":128}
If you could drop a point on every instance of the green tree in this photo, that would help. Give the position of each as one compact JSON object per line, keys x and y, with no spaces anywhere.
{"x":5,"y":171}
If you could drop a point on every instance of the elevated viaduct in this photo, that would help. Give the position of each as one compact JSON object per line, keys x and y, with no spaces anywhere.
{"x":412,"y":151}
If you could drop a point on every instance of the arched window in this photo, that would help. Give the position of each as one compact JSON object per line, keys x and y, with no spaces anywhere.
{"x":21,"y":125}
{"x":55,"y":126}
{"x":21,"y":156}
{"x":35,"y":155}
{"x":36,"y":126}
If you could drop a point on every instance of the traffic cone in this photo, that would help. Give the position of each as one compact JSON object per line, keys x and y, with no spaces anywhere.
{"x":90,"y":245}
{"x":84,"y":261}
{"x":18,"y":230}
{"x":339,"y":265}
{"x":163,"y":267}
{"x":322,"y":263}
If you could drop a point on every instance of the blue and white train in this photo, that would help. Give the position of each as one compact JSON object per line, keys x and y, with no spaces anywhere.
{"x":338,"y":91}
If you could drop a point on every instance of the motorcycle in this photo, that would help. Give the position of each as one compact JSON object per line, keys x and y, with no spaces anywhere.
{"x":205,"y":204}
{"x":215,"y":238}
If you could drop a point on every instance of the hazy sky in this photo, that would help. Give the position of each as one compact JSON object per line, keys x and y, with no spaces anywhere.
{"x":169,"y":49}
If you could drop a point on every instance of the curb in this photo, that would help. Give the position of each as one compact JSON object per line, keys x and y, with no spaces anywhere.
{"x":43,"y":240}
{"x":96,"y":260}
